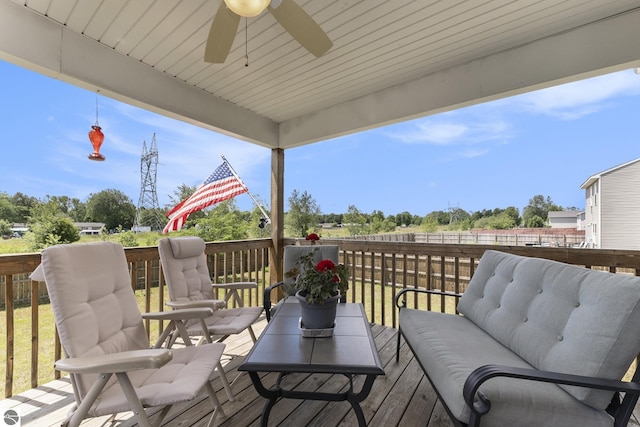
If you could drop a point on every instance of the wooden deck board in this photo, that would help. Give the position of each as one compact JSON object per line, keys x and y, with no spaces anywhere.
{"x":402,"y":397}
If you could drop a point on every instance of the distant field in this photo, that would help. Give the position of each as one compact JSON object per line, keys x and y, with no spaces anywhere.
{"x":17,"y":246}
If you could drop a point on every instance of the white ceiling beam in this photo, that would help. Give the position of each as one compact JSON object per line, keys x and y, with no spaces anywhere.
{"x":598,"y":48}
{"x":40,"y":44}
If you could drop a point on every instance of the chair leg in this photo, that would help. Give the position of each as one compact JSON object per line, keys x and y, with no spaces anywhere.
{"x":182,"y":331}
{"x":225,"y":382}
{"x":167,"y":334}
{"x":132,"y":397}
{"x":216,"y":403}
{"x":398,"y":345}
{"x":82,"y":410}
{"x":205,"y":332}
{"x":253,"y":334}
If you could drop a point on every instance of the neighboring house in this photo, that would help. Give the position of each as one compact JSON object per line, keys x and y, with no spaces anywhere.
{"x":19,"y":229}
{"x":89,"y":228}
{"x":581,"y":217}
{"x":563,"y":219}
{"x":612,"y":205}
{"x":85,"y":228}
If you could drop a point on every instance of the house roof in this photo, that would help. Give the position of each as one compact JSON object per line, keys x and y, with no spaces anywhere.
{"x":563,"y":214}
{"x":593,"y":178}
{"x":391,"y":60}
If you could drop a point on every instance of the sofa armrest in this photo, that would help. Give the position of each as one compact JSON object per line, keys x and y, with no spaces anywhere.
{"x":267,"y":299}
{"x":482,"y":405}
{"x":403,"y":292}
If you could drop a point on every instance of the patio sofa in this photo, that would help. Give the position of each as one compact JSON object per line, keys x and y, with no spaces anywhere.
{"x":536,"y":343}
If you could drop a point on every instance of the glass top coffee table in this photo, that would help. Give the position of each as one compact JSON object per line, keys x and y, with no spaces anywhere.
{"x":281,"y":348}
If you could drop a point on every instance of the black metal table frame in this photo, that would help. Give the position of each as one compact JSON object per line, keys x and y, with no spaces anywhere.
{"x":276,"y":392}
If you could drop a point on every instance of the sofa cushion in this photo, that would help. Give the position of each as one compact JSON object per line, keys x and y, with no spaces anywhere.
{"x":558,"y":317}
{"x":450,"y":347}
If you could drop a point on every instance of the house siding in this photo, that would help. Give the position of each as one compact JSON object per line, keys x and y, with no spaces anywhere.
{"x":618,"y":208}
{"x":592,"y":216}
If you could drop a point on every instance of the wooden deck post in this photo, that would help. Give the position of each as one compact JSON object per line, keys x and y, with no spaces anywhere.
{"x":277,"y":217}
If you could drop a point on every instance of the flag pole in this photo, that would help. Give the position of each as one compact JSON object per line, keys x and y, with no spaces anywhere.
{"x":267,"y":220}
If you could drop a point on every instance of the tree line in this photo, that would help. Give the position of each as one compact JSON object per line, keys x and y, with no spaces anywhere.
{"x":51,"y":220}
{"x":305,"y":216}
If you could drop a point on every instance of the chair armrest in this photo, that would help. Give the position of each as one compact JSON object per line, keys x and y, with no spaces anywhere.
{"x":232,"y":290}
{"x":210,"y":303}
{"x":267,"y":299}
{"x":401,"y":294}
{"x":482,"y":405}
{"x":235,"y":285}
{"x":115,"y":362}
{"x":186,"y":313}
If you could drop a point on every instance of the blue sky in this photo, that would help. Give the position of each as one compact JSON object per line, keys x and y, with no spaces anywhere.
{"x":487,"y":156}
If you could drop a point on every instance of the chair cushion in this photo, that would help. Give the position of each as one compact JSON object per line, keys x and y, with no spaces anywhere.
{"x":227,"y":321}
{"x":558,"y":317}
{"x":187,"y":247}
{"x":187,"y":277}
{"x":94,"y":306}
{"x":179,"y":380}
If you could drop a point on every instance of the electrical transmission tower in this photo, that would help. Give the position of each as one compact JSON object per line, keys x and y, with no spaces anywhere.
{"x":148,"y":214}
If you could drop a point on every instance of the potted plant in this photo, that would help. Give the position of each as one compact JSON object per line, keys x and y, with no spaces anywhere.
{"x":318,"y":289}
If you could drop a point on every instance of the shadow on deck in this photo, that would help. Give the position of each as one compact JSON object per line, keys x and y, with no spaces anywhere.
{"x":403,"y":397}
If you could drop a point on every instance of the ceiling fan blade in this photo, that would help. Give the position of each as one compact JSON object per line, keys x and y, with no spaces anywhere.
{"x":223,"y":31}
{"x":302,"y":27}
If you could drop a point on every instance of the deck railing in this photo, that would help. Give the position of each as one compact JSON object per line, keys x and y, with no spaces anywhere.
{"x":378,"y":270}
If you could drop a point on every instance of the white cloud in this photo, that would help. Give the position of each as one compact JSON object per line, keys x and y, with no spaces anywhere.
{"x":433,"y":133}
{"x":452,"y":130}
{"x":578,"y":99}
{"x":471,"y":153}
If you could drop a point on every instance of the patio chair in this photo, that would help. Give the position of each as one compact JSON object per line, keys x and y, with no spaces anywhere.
{"x":186,"y":273}
{"x":292,"y":254}
{"x":108,"y":356}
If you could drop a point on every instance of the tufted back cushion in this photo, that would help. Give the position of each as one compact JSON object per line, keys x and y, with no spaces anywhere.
{"x":185,"y":269}
{"x":558,"y":317}
{"x":93,"y":304}
{"x":292,"y":254}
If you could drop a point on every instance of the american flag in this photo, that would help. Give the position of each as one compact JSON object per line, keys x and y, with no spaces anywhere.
{"x":221,"y":185}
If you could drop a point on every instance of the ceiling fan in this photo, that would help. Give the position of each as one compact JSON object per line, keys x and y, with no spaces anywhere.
{"x":291,"y":16}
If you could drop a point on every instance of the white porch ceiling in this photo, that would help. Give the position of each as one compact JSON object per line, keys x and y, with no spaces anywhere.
{"x":392,"y":60}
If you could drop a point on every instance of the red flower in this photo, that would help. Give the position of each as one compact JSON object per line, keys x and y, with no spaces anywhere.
{"x":325,"y":264}
{"x":312,"y":236}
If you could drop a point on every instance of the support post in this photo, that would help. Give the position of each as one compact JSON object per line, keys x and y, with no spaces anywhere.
{"x":277,"y":218}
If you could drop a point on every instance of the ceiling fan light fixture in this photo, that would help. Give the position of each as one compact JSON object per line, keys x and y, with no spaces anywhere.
{"x":248,"y":8}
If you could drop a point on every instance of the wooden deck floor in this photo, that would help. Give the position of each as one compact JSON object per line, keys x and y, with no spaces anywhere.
{"x":403,"y":397}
